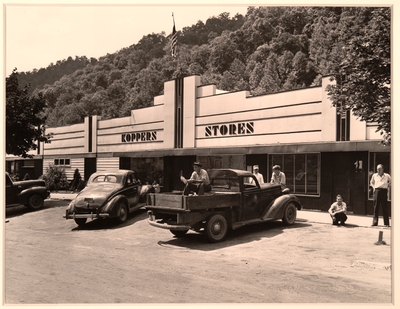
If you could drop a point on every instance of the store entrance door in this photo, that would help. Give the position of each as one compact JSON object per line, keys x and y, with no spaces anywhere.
{"x":261,"y":161}
{"x":349,"y":172}
{"x":90,"y":167}
{"x":174,"y":167}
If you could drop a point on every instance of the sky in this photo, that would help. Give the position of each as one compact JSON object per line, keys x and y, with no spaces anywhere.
{"x":38,"y":35}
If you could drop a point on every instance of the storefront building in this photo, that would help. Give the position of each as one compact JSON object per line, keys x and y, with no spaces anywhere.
{"x":322,"y":152}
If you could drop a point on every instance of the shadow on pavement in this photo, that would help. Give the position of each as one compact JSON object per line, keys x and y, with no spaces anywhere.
{"x":245,"y":234}
{"x":20,"y":210}
{"x":113,"y":223}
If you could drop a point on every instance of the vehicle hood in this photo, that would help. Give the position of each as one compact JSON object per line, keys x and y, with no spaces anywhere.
{"x":272,"y":188}
{"x":99,"y":194}
{"x":23,"y":184}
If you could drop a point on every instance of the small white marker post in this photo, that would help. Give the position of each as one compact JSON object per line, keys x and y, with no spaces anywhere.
{"x":380,"y":241}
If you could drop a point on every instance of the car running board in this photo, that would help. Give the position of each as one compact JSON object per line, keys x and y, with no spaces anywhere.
{"x":239,"y":224}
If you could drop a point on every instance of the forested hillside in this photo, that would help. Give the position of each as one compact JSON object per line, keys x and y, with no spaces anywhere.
{"x":269,"y":49}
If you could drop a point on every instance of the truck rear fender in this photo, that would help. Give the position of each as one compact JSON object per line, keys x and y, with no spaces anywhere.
{"x":276,"y":208}
{"x":226,"y":213}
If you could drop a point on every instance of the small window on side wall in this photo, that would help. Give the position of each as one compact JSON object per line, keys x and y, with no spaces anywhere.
{"x":62,"y":162}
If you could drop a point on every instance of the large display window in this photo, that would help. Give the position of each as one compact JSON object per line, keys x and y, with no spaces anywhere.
{"x":302,"y":171}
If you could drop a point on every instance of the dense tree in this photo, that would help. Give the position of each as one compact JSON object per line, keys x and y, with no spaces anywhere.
{"x":363,"y":73}
{"x":24,"y":118}
{"x":223,"y":52}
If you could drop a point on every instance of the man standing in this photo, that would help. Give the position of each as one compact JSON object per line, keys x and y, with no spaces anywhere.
{"x":278,"y":177}
{"x":338,"y":211}
{"x":199,"y":182}
{"x":259,"y":176}
{"x":380,"y":182}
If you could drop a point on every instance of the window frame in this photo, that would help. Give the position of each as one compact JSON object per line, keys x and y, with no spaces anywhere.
{"x":270,"y":164}
{"x":57,"y":162}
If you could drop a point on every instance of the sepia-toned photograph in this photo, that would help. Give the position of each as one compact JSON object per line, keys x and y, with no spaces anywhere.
{"x":209,"y":154}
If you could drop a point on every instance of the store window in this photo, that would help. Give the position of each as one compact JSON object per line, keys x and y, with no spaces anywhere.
{"x":302,"y":171}
{"x":28,"y":164}
{"x":228,"y":161}
{"x":63,"y":162}
{"x":376,"y":158}
{"x":148,"y":170}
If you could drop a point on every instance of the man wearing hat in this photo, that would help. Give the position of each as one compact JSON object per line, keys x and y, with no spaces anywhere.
{"x":199,"y":182}
{"x":278,"y":177}
{"x":259,"y":176}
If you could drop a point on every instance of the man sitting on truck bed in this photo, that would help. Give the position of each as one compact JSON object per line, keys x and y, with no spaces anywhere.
{"x":199,"y":182}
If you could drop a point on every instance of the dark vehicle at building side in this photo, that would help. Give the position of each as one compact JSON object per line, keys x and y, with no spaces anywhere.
{"x":30,"y":193}
{"x":108,"y":194}
{"x":236,"y":199}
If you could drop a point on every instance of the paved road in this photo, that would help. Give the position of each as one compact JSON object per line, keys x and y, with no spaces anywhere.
{"x":49,"y":260}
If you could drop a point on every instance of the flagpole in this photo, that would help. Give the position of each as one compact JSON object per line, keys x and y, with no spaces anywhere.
{"x":174,"y":55}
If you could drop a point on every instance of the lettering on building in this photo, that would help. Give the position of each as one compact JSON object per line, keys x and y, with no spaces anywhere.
{"x":139,"y":137}
{"x":240,"y":128}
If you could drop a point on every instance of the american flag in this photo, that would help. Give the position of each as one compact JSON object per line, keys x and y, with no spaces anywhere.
{"x":174,"y":41}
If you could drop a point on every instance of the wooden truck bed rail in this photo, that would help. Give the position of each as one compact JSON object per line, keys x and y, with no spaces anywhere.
{"x":178,"y":201}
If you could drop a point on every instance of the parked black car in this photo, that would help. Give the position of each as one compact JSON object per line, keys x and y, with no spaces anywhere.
{"x":30,"y":193}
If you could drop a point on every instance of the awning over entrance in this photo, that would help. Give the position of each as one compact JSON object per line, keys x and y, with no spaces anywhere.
{"x":373,"y":146}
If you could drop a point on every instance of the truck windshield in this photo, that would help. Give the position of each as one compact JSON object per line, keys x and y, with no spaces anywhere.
{"x":225,"y":183}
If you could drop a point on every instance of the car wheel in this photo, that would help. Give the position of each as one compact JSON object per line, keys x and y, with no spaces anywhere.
{"x":35,"y":202}
{"x":179,"y":233}
{"x":80,"y":221}
{"x":289,"y":215}
{"x":217,"y":228}
{"x":122,"y":213}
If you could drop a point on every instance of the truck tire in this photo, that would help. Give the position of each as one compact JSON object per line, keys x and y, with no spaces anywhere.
{"x":122,"y":212}
{"x":179,"y":233}
{"x":217,"y":228}
{"x":289,"y":215}
{"x":80,"y":221}
{"x":35,"y":202}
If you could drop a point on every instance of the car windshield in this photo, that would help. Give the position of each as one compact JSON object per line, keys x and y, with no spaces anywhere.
{"x":107,"y":178}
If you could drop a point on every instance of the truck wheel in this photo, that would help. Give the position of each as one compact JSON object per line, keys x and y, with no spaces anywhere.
{"x":122,"y":213}
{"x":35,"y":202}
{"x":179,"y":233}
{"x":289,"y":215}
{"x":80,"y":221}
{"x":217,"y":228}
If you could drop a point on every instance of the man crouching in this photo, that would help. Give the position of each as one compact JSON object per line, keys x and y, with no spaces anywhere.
{"x":338,"y":211}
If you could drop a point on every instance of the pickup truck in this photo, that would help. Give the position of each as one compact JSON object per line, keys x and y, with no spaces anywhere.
{"x":236,"y":199}
{"x":30,"y":193}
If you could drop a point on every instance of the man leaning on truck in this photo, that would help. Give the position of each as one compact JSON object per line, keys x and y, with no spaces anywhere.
{"x":199,"y":182}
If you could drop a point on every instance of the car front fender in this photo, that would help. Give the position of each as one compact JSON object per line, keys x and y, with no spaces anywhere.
{"x":276,"y":208}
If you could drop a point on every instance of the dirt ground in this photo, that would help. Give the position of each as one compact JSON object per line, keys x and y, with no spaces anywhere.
{"x":49,"y":260}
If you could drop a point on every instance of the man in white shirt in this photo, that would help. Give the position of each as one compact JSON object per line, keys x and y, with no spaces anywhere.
{"x":199,"y":182}
{"x":278,"y":177}
{"x":259,"y":176}
{"x":380,"y":182}
{"x":338,"y":211}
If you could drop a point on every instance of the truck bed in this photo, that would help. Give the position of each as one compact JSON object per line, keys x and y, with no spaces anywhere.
{"x":177,"y":201}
